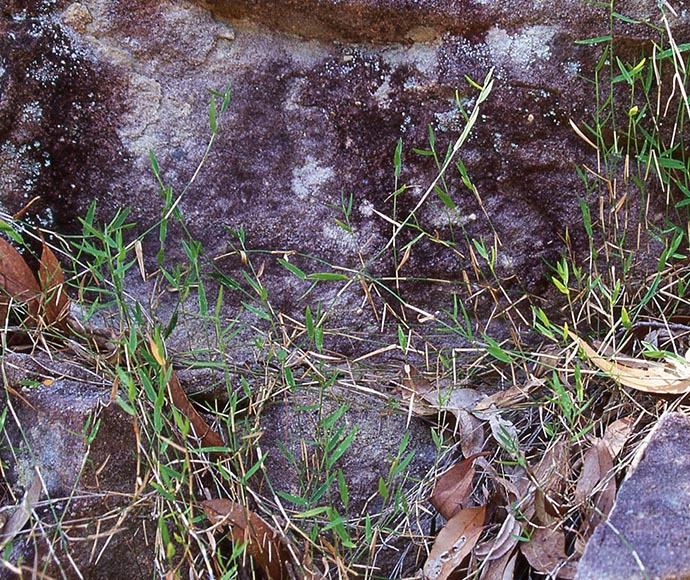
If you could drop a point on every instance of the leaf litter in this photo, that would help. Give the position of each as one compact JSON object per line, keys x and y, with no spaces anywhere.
{"x":264,"y":545}
{"x":544,"y":510}
{"x":671,"y":377}
{"x":519,"y":512}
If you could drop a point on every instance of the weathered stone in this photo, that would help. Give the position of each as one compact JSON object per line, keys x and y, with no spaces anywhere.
{"x":322,"y":91}
{"x":60,"y":426}
{"x":647,"y":533}
{"x":313,"y":117}
{"x":295,"y":436}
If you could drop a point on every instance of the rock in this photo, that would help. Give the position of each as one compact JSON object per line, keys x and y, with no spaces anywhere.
{"x":60,"y":425}
{"x":322,"y":91}
{"x":647,"y":533}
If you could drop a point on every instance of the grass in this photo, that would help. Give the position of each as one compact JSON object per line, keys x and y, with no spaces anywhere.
{"x":211,"y":500}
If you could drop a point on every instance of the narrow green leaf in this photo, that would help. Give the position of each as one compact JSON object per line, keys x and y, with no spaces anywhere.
{"x":212,"y":115}
{"x":292,"y":268}
{"x":309,"y":322}
{"x":397,"y":158}
{"x":342,"y":488}
{"x":154,"y":163}
{"x":256,"y":311}
{"x":383,"y":490}
{"x":496,"y":351}
{"x":445,"y":198}
{"x":327,"y":276}
{"x":342,"y":448}
{"x":595,"y":40}
{"x":623,"y":18}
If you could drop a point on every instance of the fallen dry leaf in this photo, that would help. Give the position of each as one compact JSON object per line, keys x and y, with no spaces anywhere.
{"x":617,"y":434}
{"x":502,"y":568}
{"x":671,"y":377}
{"x":209,"y":438}
{"x":17,"y":282}
{"x":202,"y":430}
{"x":18,"y":520}
{"x":502,"y":430}
{"x":511,"y":396}
{"x":504,"y":542}
{"x":426,"y":397}
{"x":452,"y":490}
{"x":597,"y":467}
{"x":550,"y":475}
{"x":470,"y":431}
{"x":460,"y":403}
{"x":263,"y":545}
{"x":52,"y":281}
{"x":454,"y":543}
{"x":545,"y":552}
{"x":410,"y":388}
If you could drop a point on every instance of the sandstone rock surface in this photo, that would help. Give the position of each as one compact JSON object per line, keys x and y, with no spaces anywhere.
{"x":322,"y":91}
{"x":62,"y":429}
{"x":647,"y":533}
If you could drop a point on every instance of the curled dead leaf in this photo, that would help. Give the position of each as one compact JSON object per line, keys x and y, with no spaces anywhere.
{"x":502,"y":568}
{"x":545,"y":552}
{"x":597,"y":472}
{"x":617,"y":434}
{"x":202,"y":430}
{"x":18,"y":284}
{"x":265,"y":547}
{"x":504,"y":542}
{"x":452,"y":490}
{"x":23,"y":512}
{"x":454,"y":543}
{"x":209,"y":438}
{"x":511,"y":396}
{"x":671,"y":377}
{"x":52,"y":281}
{"x":427,"y":397}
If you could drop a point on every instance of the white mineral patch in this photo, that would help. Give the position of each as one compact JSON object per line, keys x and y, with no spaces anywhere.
{"x":145,"y":100}
{"x":338,"y":237}
{"x":383,"y":93}
{"x":522,"y":50}
{"x":423,"y":55}
{"x":366,"y":208}
{"x":32,"y":112}
{"x":309,"y":178}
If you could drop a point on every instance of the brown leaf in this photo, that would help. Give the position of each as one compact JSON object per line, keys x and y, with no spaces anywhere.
{"x":17,"y":283}
{"x":545,"y":552}
{"x":52,"y":280}
{"x":504,"y":542}
{"x":411,"y":388}
{"x":670,"y":377}
{"x":263,"y":545}
{"x":209,"y":438}
{"x":550,"y":475}
{"x":502,"y":568}
{"x":460,"y":402}
{"x":454,"y":543}
{"x":617,"y":434}
{"x":597,"y":467}
{"x":453,"y":488}
{"x":427,"y":398}
{"x":23,"y":512}
{"x":470,"y":431}
{"x":511,"y":396}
